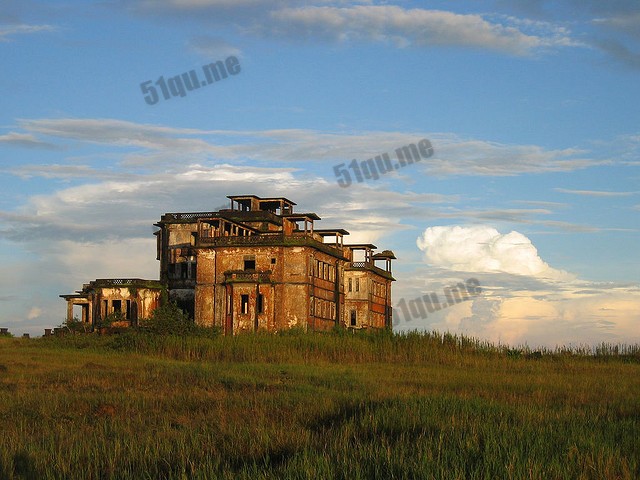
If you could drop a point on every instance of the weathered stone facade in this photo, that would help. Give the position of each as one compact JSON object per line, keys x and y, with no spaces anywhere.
{"x":130,"y":298}
{"x":259,"y":266}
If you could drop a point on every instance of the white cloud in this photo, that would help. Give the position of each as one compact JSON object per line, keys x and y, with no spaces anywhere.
{"x":523,"y":299}
{"x":25,"y":140}
{"x":551,"y":321}
{"x":482,"y":249}
{"x":368,"y":21}
{"x":22,"y":29}
{"x":595,"y":193}
{"x":34,"y":313}
{"x":409,"y":27}
{"x":156,"y":146}
{"x":212,"y":48}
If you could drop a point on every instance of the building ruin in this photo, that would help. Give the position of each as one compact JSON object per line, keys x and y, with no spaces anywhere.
{"x":257,"y":265}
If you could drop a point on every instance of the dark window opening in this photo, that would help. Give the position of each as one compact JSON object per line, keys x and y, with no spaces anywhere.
{"x":350,"y":284}
{"x":249,"y":264}
{"x":184,"y":270}
{"x":244,"y":304}
{"x":273,"y":261}
{"x":353,"y":318}
{"x":260,"y":303}
{"x":117,"y":306}
{"x":128,"y":312}
{"x":357,"y":284}
{"x":187,"y":306}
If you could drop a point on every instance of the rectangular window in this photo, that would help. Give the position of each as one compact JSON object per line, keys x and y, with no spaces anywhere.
{"x":260,"y":303}
{"x":353,"y":318}
{"x":184,"y":270}
{"x":350,"y":283}
{"x":357,"y":284}
{"x":273,"y":261}
{"x":116,"y":305}
{"x":128,"y":314}
{"x":244,"y":304}
{"x":250,"y":264}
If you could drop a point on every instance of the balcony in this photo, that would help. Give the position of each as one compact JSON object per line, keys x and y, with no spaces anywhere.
{"x":247,"y":276}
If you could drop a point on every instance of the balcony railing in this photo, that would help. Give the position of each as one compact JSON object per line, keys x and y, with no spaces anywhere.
{"x":247,"y":276}
{"x":369,"y":266}
{"x":267,"y":238}
{"x":125,"y":282}
{"x":262,"y":239}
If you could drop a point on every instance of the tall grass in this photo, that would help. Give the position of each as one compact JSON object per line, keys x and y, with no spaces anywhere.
{"x":314,"y":406}
{"x":342,"y":346}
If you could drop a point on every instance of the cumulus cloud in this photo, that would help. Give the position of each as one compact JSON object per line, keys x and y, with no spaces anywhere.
{"x":548,"y":321}
{"x":482,"y":249}
{"x":34,"y":313}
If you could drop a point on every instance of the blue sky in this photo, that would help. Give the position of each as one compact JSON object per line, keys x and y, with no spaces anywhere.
{"x":531,"y":107}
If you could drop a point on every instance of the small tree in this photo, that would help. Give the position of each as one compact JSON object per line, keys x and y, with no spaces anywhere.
{"x":74,"y":325}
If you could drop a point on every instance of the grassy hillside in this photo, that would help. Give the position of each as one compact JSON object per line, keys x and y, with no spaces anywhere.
{"x":314,"y":406}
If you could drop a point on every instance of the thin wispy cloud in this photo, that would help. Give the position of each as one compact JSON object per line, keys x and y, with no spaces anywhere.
{"x":9,"y":31}
{"x":26,"y":140}
{"x":595,"y":193}
{"x":156,"y":144}
{"x":377,"y":22}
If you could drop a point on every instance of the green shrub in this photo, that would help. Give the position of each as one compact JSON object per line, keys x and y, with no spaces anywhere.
{"x":169,"y":319}
{"x":75,"y":325}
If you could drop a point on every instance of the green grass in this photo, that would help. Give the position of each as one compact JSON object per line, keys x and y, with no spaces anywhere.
{"x":315,"y":406}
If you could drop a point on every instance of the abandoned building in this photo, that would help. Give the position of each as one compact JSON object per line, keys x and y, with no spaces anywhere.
{"x":254,"y":266}
{"x":129,"y":298}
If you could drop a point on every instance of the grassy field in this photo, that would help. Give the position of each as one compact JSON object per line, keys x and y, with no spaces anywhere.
{"x":314,"y":406}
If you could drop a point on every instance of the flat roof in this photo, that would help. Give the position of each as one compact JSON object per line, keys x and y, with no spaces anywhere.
{"x":301,"y":216}
{"x":268,"y":199}
{"x":385,"y":254}
{"x":328,"y":232}
{"x":361,"y":245}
